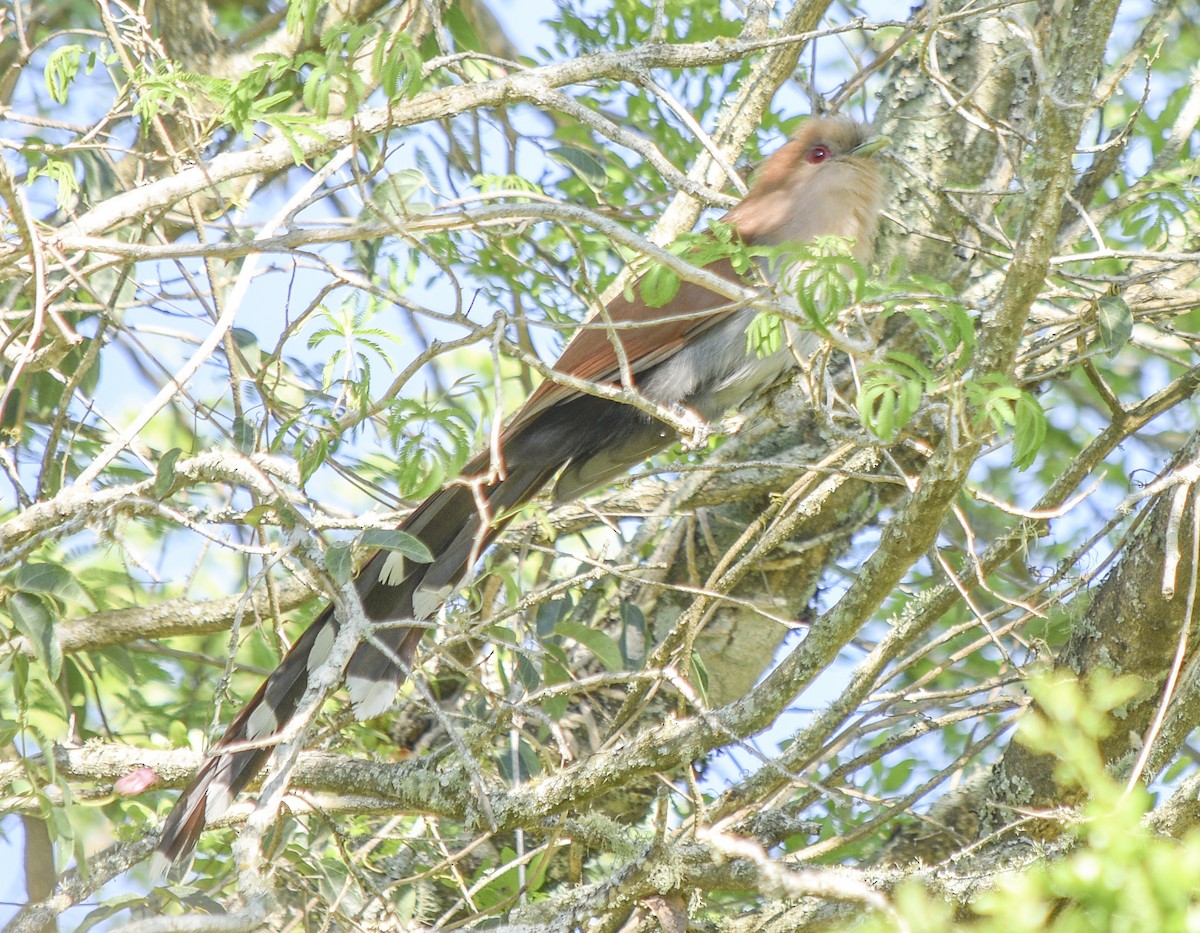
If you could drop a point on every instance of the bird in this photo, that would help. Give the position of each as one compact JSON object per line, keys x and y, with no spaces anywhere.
{"x":689,"y":356}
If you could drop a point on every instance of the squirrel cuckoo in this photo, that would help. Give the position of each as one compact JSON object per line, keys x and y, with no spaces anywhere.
{"x":822,"y":182}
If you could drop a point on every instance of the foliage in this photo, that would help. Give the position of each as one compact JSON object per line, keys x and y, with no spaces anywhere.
{"x":1115,"y":874}
{"x":272,"y":274}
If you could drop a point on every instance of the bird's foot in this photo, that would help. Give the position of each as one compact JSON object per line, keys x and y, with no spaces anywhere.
{"x":694,"y":431}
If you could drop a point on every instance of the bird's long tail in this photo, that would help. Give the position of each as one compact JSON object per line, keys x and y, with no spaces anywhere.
{"x":455,"y":524}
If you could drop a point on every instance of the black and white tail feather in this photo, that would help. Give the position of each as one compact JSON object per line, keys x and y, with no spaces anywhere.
{"x":392,"y":590}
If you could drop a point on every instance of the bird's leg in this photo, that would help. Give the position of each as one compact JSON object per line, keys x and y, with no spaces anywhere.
{"x":695,"y":432}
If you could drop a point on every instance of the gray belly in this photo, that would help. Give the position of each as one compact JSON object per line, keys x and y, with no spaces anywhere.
{"x":714,"y":372}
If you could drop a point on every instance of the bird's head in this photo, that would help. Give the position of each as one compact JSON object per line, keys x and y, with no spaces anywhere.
{"x":824,"y":181}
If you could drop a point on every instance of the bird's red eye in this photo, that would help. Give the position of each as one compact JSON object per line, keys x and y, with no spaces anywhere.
{"x":818,"y":154}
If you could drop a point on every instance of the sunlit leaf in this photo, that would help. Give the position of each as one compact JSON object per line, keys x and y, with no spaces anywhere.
{"x":601,"y":644}
{"x":1116,"y":323}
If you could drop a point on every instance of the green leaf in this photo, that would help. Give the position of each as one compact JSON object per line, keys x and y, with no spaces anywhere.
{"x":62,"y":174}
{"x":526,"y":673}
{"x":396,"y":65}
{"x":51,"y":580}
{"x":764,"y":336}
{"x":589,"y":169}
{"x":891,"y":393}
{"x":110,"y":908}
{"x":633,"y":635}
{"x":828,"y":281}
{"x":392,"y":198}
{"x":61,"y":68}
{"x":503,"y":635}
{"x":244,"y":435}
{"x":34,"y":621}
{"x":247,"y":343}
{"x":553,"y":674}
{"x":599,"y":643}
{"x":338,"y":563}
{"x":254,"y":516}
{"x":896,"y":775}
{"x":1116,"y":323}
{"x":658,"y":286}
{"x":998,"y":402}
{"x":392,"y":540}
{"x":1030,"y":431}
{"x":700,"y":675}
{"x":310,"y":457}
{"x":20,"y":687}
{"x":164,"y":473}
{"x":877,"y":407}
{"x":550,"y":614}
{"x":488,"y":183}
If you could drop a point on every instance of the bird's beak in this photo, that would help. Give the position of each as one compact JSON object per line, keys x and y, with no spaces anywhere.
{"x":871,"y":145}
